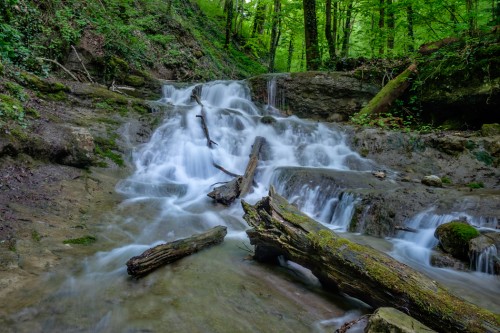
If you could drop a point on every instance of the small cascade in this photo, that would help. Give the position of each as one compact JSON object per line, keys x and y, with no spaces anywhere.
{"x":275,"y":96}
{"x":485,"y":261}
{"x":418,"y":246}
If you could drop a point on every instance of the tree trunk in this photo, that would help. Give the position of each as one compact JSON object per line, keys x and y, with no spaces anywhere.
{"x":389,"y":93}
{"x":390,"y":27}
{"x":164,"y":254}
{"x":274,"y":35}
{"x":381,"y":19}
{"x":347,"y":31}
{"x":278,"y":228}
{"x":290,"y":54}
{"x":229,"y":22}
{"x":411,"y":35}
{"x":328,"y":30}
{"x":260,"y":18}
{"x":313,"y":60}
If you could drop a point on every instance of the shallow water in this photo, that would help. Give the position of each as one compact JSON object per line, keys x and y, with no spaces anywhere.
{"x":218,"y":289}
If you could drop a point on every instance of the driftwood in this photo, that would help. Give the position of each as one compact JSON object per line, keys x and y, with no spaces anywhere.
{"x":83,"y":65}
{"x":390,"y":92}
{"x":239,"y":186}
{"x":403,"y":228}
{"x":203,"y":116}
{"x":62,"y":67}
{"x":164,"y":254}
{"x":278,"y":228}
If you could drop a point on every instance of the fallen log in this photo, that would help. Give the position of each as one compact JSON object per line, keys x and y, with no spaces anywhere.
{"x":239,"y":186}
{"x":279,"y":228}
{"x":389,"y":93}
{"x":164,"y":254}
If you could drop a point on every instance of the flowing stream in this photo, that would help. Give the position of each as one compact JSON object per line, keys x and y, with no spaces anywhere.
{"x":218,"y":289}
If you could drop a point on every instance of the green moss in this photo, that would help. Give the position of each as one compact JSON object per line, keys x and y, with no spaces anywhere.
{"x":11,"y":109}
{"x":107,"y":153}
{"x":483,"y":156}
{"x":474,"y":185}
{"x":36,"y":236}
{"x":454,"y":238}
{"x":41,"y":85}
{"x":446,"y":180}
{"x":86,"y":240}
{"x":16,"y":90}
{"x":134,"y":80}
{"x":32,"y":112}
{"x":56,"y":97}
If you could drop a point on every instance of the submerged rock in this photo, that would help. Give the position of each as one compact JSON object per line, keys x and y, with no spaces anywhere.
{"x":433,"y":181}
{"x":454,"y":238}
{"x":390,"y":320}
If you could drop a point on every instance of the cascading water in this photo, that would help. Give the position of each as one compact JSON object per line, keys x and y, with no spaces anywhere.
{"x":166,"y":199}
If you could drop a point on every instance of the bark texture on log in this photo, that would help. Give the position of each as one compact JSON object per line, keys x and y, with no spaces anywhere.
{"x":239,"y":186}
{"x":390,"y":92}
{"x":164,"y":254}
{"x":278,"y":228}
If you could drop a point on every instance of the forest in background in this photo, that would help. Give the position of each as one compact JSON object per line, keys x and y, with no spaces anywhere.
{"x":283,"y":31}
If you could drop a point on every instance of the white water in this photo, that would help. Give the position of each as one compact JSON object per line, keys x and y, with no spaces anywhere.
{"x":215,"y":290}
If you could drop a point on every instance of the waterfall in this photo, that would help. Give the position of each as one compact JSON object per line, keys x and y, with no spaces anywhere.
{"x":418,"y":246}
{"x":485,"y":261}
{"x":166,"y":199}
{"x":275,"y":96}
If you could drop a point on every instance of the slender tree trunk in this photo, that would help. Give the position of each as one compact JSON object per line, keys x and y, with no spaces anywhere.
{"x":313,"y":59}
{"x":390,"y":27}
{"x":411,"y":35}
{"x":471,"y":8}
{"x":274,"y":34}
{"x":381,"y":19}
{"x":290,"y":54}
{"x":335,"y":24}
{"x":347,"y":31}
{"x":260,"y":18}
{"x":328,"y":30}
{"x":229,"y":21}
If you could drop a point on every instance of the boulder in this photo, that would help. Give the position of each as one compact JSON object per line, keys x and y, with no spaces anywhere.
{"x":433,"y":181}
{"x":391,"y":320}
{"x":454,"y":238}
{"x":484,"y":253}
{"x":330,"y":96}
{"x":67,"y":145}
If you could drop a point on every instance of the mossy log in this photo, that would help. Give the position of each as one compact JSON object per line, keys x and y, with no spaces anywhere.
{"x":164,"y":254}
{"x":389,"y":93}
{"x":239,"y":186}
{"x":279,"y":228}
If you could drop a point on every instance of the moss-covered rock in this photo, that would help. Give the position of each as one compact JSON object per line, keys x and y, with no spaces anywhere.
{"x":454,"y":238}
{"x":490,"y":129}
{"x":135,"y":80}
{"x":86,"y":240}
{"x":391,"y":320}
{"x":34,"y":82}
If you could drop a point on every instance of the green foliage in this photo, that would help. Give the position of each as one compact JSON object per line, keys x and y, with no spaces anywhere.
{"x":86,"y":240}
{"x":484,"y":157}
{"x":104,"y":148}
{"x":474,"y":185}
{"x":35,"y":235}
{"x":446,"y":180}
{"x":11,"y":109}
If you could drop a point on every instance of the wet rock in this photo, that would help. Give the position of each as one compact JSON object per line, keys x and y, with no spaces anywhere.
{"x":454,"y":238}
{"x":267,"y":120}
{"x":449,"y":144}
{"x":444,"y":260}
{"x":433,"y":181}
{"x":390,"y":320}
{"x":330,"y":96}
{"x":67,"y":145}
{"x":486,"y":243}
